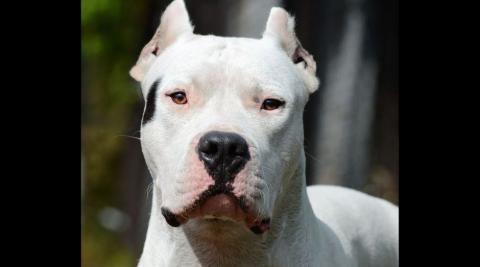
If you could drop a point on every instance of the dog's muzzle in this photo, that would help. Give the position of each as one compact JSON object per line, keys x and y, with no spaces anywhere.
{"x":224,"y":155}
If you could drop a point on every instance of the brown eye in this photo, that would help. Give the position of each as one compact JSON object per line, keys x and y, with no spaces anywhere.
{"x":271,"y":104}
{"x":179,"y":98}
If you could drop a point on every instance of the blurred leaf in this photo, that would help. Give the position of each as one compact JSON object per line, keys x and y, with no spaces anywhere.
{"x":111,"y":33}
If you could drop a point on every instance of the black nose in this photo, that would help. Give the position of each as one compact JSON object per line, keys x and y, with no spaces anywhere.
{"x":224,"y":154}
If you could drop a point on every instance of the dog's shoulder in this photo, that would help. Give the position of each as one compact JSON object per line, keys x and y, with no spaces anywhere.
{"x":364,"y":224}
{"x":346,"y":197}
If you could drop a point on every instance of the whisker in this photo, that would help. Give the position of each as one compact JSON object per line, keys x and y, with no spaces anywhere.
{"x":311,"y":156}
{"x":268,"y":168}
{"x":149,"y":189}
{"x":129,"y":136}
{"x":264,"y":200}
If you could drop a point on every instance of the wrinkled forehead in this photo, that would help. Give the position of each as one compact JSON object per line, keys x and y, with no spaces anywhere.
{"x":223,"y":61}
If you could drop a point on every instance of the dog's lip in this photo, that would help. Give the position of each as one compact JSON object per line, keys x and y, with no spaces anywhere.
{"x":223,"y":207}
{"x":219,"y":206}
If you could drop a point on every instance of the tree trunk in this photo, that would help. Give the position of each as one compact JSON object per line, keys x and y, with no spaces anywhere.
{"x":247,"y":18}
{"x":338,"y":118}
{"x":346,"y":107}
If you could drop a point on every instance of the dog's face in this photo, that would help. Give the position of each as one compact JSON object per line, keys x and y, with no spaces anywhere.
{"x":223,"y":118}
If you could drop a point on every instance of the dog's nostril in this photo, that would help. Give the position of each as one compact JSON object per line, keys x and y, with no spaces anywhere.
{"x":238,"y":149}
{"x":208,"y":147}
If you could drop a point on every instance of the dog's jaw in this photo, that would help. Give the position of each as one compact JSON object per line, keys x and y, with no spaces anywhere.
{"x":204,"y":243}
{"x":219,"y":207}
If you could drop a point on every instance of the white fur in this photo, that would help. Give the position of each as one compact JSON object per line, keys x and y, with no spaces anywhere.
{"x":226,"y":80}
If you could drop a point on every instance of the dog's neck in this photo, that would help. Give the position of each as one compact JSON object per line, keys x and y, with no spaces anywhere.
{"x":189,"y":245}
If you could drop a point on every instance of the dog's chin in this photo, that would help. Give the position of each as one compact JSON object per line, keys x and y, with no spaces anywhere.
{"x":214,"y":228}
{"x":216,"y":223}
{"x":219,"y":213}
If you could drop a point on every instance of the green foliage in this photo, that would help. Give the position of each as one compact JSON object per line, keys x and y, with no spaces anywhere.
{"x":111,"y":33}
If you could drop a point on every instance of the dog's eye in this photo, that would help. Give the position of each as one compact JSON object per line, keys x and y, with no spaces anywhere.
{"x":179,"y":98}
{"x":271,"y":104}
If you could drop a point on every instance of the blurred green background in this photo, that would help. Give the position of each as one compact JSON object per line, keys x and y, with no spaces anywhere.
{"x":112,"y":33}
{"x":351,"y":123}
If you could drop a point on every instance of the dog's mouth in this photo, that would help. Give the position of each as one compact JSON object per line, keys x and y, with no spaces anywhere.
{"x":219,"y":205}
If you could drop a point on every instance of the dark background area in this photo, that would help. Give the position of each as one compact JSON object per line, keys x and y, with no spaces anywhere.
{"x":351,"y":122}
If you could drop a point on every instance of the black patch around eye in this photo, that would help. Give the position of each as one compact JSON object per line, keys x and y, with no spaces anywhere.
{"x":150,"y":104}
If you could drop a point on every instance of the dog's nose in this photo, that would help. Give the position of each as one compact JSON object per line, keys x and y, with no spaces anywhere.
{"x":224,"y":154}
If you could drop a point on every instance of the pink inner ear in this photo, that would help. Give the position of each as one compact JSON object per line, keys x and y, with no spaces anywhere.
{"x":297,"y":57}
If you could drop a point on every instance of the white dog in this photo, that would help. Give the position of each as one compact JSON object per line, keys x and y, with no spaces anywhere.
{"x":222,"y":135}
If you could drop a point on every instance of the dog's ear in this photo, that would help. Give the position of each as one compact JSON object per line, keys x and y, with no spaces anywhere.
{"x":174,"y":23}
{"x":281,"y":29}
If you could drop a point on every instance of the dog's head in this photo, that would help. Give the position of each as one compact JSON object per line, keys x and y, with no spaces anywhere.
{"x":222,"y":124}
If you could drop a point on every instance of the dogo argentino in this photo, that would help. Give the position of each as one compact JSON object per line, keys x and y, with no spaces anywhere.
{"x":222,"y":136}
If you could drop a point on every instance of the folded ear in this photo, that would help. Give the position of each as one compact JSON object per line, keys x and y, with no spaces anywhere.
{"x":174,"y":23}
{"x":281,"y":29}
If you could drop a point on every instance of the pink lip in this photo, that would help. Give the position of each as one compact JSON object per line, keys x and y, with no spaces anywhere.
{"x":220,"y":205}
{"x":223,"y":205}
